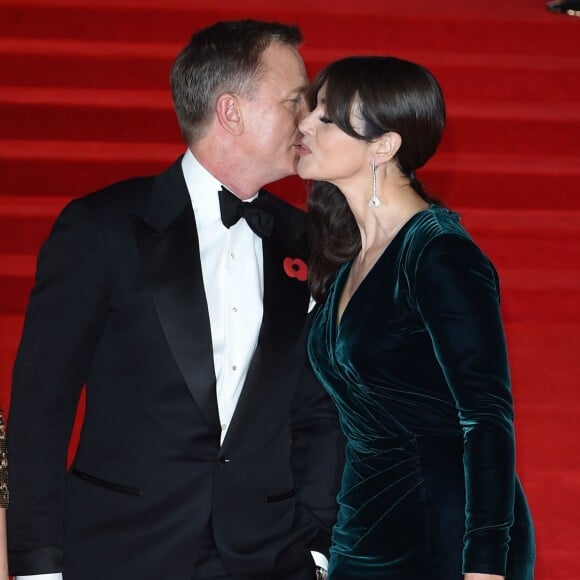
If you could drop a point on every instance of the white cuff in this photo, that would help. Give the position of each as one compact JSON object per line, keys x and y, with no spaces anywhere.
{"x":320,"y":560}
{"x":311,"y":306}
{"x":55,"y":576}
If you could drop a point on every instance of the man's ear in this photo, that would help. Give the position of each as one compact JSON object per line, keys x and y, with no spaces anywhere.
{"x":229,"y":114}
{"x":387,"y":147}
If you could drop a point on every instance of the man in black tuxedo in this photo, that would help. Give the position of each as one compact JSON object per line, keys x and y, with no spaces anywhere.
{"x":208,"y":450}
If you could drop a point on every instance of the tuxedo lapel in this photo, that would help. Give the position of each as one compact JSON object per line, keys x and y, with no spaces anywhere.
{"x":169,"y":248}
{"x":285,"y":298}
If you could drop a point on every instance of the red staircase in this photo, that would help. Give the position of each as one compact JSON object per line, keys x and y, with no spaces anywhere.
{"x":84,"y":101}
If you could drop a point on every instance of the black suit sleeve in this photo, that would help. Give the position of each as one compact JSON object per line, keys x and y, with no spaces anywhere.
{"x":64,"y":320}
{"x":317,"y":461}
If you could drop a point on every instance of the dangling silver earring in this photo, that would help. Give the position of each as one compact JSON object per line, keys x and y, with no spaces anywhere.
{"x":374,"y":201}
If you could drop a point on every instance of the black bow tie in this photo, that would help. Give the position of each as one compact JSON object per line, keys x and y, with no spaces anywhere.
{"x":233,"y":208}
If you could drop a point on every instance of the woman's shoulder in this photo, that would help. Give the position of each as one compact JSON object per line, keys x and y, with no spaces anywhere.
{"x":437,"y":234}
{"x":434,"y":223}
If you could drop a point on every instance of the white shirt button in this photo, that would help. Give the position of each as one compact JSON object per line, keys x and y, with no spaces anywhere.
{"x":234,"y":309}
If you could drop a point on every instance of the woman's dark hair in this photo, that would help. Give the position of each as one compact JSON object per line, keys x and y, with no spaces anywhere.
{"x":389,"y":94}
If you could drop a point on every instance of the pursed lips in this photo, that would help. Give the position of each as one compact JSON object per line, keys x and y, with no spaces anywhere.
{"x":303,"y":149}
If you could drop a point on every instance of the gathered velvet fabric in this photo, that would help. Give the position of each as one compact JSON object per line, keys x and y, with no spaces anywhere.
{"x":418,"y":369}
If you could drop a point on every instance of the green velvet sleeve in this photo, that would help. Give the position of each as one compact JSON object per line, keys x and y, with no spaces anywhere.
{"x":457,"y":296}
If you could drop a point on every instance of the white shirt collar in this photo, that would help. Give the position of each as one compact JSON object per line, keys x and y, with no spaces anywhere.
{"x":203,"y":188}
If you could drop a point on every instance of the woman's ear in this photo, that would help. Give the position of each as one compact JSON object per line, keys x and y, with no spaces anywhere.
{"x":229,"y":114}
{"x":388,"y":146}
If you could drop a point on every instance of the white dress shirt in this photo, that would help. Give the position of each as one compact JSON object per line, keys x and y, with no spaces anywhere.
{"x":233,"y":279}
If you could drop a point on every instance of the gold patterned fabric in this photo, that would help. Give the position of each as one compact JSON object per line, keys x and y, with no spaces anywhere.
{"x":3,"y":465}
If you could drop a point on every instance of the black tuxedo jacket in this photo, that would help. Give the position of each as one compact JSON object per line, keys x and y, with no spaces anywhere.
{"x":119,"y":304}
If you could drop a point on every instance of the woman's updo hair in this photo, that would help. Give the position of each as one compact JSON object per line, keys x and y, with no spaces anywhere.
{"x":387,"y":94}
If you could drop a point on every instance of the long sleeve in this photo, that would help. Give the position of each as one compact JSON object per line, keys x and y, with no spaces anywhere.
{"x":63,"y":323}
{"x":457,"y":295}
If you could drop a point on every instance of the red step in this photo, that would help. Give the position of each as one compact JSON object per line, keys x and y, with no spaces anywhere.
{"x":88,"y":114}
{"x":25,"y":222}
{"x":523,"y":28}
{"x":526,"y":239}
{"x":132,"y":65}
{"x":504,"y":181}
{"x":72,"y":168}
{"x":61,"y":113}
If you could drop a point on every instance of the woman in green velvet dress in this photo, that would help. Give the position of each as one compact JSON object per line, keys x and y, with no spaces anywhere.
{"x":408,"y":340}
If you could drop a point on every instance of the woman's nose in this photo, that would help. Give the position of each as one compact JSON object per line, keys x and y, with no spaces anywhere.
{"x":305,"y":125}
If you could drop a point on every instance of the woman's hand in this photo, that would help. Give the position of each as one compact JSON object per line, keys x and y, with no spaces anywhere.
{"x":477,"y":576}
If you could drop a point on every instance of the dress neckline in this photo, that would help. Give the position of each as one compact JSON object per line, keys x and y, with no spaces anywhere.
{"x":344,"y":270}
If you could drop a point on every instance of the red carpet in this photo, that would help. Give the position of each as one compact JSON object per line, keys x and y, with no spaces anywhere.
{"x":84,"y":101}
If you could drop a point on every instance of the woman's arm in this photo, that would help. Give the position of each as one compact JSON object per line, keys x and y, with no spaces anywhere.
{"x":457,"y":296}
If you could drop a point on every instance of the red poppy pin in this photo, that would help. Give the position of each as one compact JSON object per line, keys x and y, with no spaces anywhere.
{"x":296,"y":268}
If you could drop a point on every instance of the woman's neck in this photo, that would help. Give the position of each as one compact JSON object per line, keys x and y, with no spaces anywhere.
{"x":379,"y":225}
